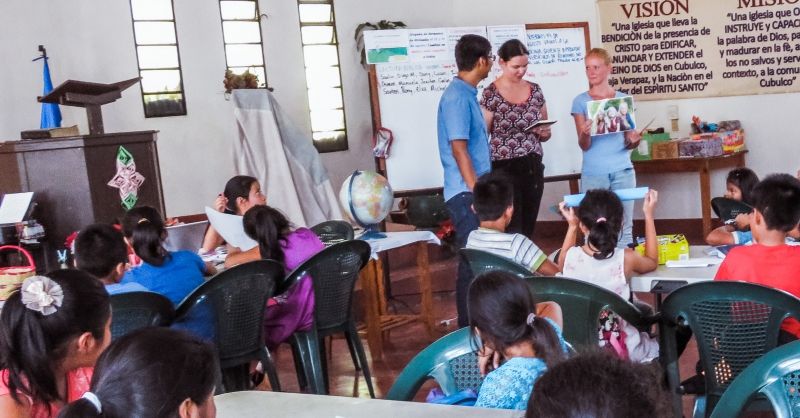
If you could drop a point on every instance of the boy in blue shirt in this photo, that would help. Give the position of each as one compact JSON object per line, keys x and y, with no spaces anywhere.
{"x":464,"y":147}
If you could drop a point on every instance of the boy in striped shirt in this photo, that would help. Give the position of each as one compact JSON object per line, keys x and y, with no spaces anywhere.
{"x":494,"y":205}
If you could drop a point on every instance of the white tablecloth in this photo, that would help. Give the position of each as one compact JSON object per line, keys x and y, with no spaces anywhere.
{"x":399,"y":239}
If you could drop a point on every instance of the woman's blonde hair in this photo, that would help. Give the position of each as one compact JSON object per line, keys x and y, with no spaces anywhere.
{"x":600,"y":53}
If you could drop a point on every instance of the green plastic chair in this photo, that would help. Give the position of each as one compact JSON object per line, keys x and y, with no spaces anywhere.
{"x":776,"y":376}
{"x":134,"y":310}
{"x":238,"y":298}
{"x":451,"y":361}
{"x":581,"y":304}
{"x":333,"y":272}
{"x":483,"y":261}
{"x":734,"y":323}
{"x":333,"y":232}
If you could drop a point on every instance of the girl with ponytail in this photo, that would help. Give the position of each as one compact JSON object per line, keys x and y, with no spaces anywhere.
{"x":151,"y":373}
{"x":600,"y":262}
{"x":520,"y":338}
{"x":51,"y":332}
{"x":292,"y":310}
{"x":172,"y":274}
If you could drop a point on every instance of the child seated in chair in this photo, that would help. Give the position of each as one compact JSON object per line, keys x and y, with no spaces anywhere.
{"x":494,"y":204}
{"x":520,"y":338}
{"x":739,"y":187}
{"x":600,"y":262}
{"x":770,"y":262}
{"x":100,"y":250}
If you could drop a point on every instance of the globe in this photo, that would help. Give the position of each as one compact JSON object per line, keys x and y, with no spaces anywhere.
{"x":366,"y":198}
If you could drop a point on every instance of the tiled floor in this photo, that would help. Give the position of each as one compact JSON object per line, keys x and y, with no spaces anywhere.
{"x":403,"y":343}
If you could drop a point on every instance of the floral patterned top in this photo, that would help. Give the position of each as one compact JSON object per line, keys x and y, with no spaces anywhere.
{"x":509,"y":138}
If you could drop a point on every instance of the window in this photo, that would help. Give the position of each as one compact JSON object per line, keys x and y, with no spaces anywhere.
{"x":241,"y":33}
{"x":323,"y":77}
{"x":159,"y":61}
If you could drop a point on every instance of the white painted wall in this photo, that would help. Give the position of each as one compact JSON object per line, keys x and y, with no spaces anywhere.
{"x":93,"y":40}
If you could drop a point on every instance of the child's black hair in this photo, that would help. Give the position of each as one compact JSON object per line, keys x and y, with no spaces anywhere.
{"x":602,"y":213}
{"x":99,"y":248}
{"x":512,"y":48}
{"x":499,"y":306}
{"x":746,"y":180}
{"x":469,"y":49}
{"x":573,"y":389}
{"x":492,"y":195}
{"x":236,"y":187}
{"x":145,"y":230}
{"x":269,"y":227}
{"x":32,"y":344}
{"x":149,"y":373}
{"x":777,"y":197}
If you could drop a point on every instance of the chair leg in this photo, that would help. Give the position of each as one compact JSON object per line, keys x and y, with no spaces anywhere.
{"x":298,"y":365}
{"x":323,"y":356}
{"x":308,"y":347}
{"x":269,"y":370}
{"x":355,"y":345}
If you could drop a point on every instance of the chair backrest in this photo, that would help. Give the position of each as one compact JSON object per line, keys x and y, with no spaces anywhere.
{"x":451,"y":361}
{"x":727,"y":209}
{"x":237,"y":298}
{"x":483,"y":261}
{"x":734,"y":323}
{"x":334,"y":272}
{"x":581,"y":304}
{"x":776,"y":375}
{"x":134,"y":310}
{"x":333,"y":232}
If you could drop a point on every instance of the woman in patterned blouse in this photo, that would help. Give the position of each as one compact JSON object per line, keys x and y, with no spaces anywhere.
{"x":510,"y":105}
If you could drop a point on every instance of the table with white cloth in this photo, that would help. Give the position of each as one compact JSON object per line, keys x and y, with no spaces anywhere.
{"x":664,"y":280}
{"x":377,"y":318}
{"x":257,"y":404}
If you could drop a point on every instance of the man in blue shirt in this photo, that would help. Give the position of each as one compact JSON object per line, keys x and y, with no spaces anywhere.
{"x":464,"y":147}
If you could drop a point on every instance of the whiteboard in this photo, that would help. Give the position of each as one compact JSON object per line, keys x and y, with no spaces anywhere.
{"x":407,"y":84}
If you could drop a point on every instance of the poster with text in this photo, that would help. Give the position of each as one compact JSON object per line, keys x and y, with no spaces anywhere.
{"x":671,"y":49}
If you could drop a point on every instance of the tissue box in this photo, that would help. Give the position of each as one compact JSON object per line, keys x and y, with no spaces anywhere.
{"x":666,"y":150}
{"x":645,"y":149}
{"x":670,"y":247}
{"x":706,"y":146}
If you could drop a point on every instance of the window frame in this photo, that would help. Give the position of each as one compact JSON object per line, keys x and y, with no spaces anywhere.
{"x":338,"y":143}
{"x":179,"y":68}
{"x":263,"y":84}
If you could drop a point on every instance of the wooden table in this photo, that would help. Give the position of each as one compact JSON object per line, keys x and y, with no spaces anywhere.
{"x":377,"y":318}
{"x":702,"y":166}
{"x":258,"y":404}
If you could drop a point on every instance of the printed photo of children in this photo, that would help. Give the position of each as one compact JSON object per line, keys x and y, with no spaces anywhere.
{"x":611,"y":115}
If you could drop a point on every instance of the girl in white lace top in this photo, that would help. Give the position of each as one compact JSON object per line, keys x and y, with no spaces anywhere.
{"x":600,"y":262}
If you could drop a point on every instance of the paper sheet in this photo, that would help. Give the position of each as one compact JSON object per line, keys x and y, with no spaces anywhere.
{"x":14,"y":207}
{"x":694,"y":262}
{"x":231,"y":228}
{"x":574,"y":200}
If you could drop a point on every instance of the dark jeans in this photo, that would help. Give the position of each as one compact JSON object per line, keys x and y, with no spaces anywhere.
{"x":465,"y":221}
{"x":527,"y":175}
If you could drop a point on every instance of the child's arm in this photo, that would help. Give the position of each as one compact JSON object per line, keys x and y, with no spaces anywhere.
{"x":635,"y":263}
{"x":550,"y":310}
{"x":572,"y":233}
{"x":548,"y":268}
{"x":721,"y":236}
{"x":12,"y":409}
{"x":242,"y":257}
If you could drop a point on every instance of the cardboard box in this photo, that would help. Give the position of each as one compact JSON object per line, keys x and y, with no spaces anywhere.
{"x":704,"y":147}
{"x":670,"y":247}
{"x":644,"y":151}
{"x":732,"y":141}
{"x":665,"y":150}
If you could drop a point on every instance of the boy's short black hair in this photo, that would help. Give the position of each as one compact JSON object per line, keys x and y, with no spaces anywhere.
{"x":469,"y":49}
{"x":99,"y":248}
{"x":492,"y":194}
{"x":573,"y":388}
{"x":777,"y":197}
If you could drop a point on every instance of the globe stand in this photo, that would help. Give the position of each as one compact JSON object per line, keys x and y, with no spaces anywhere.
{"x":371,"y":232}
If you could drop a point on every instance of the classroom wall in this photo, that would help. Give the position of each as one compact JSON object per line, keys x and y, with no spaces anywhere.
{"x":93,"y":40}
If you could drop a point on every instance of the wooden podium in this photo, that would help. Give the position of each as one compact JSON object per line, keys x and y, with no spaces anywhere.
{"x":71,"y":177}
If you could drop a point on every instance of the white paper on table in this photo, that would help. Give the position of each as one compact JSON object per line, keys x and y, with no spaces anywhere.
{"x":14,"y":207}
{"x":694,"y":262}
{"x":231,"y":228}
